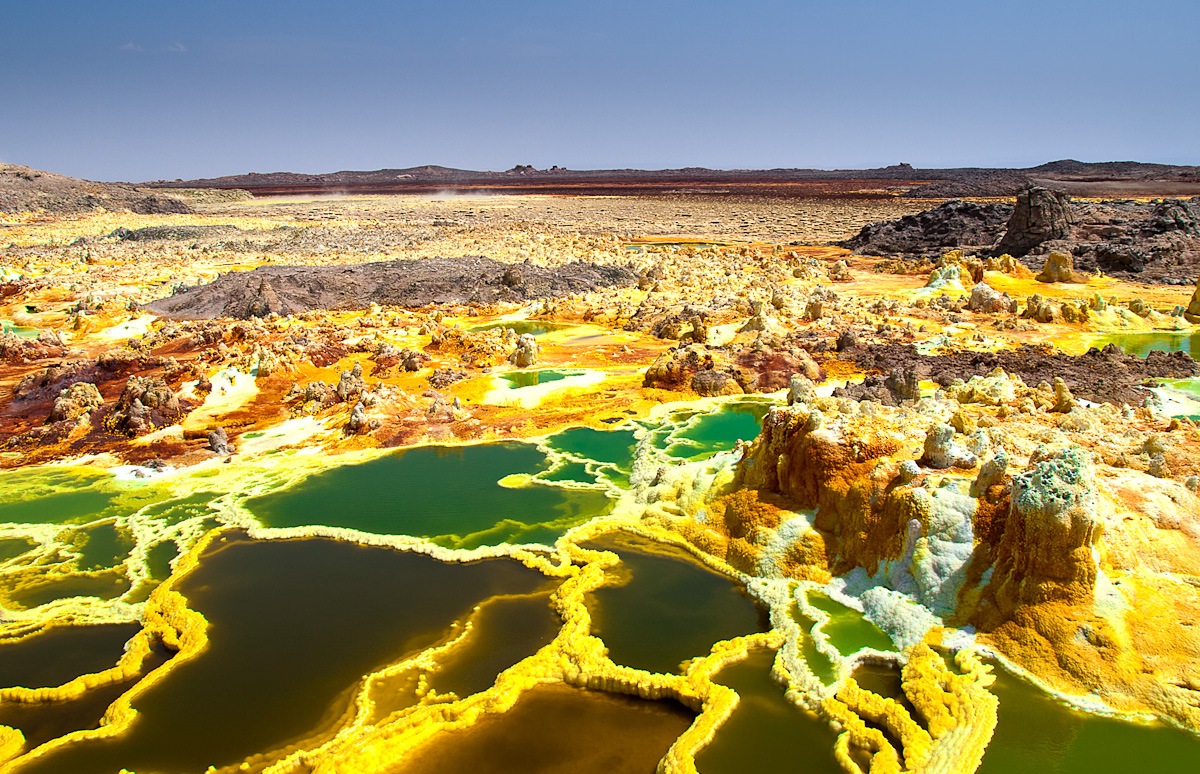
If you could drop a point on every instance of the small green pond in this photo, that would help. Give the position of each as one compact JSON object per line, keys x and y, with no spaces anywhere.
{"x":56,"y":496}
{"x":7,"y":326}
{"x":1143,"y":343}
{"x":718,"y":431}
{"x":520,"y":379}
{"x":520,"y":327}
{"x":105,"y":545}
{"x":818,"y":663}
{"x":847,"y":629}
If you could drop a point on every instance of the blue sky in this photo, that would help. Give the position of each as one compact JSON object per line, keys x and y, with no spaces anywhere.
{"x":142,"y":90}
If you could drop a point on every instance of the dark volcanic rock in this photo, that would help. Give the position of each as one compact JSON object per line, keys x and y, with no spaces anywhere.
{"x":293,"y":289}
{"x":952,"y":224}
{"x":24,"y":190}
{"x":1040,"y":215}
{"x":1155,"y":241}
{"x":160,"y":205}
{"x":170,"y":232}
{"x":1101,"y":375}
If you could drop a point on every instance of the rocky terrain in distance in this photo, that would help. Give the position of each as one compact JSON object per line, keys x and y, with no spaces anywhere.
{"x":285,"y":290}
{"x":1075,"y":177}
{"x":23,"y":189}
{"x":1155,"y":241}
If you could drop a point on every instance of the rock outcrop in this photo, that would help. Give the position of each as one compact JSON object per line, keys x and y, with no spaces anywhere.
{"x":952,"y":224}
{"x":75,"y":401}
{"x":1059,"y":267}
{"x":1040,"y":216}
{"x":145,"y":404}
{"x":526,"y":353}
{"x":350,"y":383}
{"x":987,"y":300}
{"x":1192,"y":313}
{"x":294,"y":289}
{"x":1155,"y":241}
{"x":1046,"y":548}
{"x":218,"y":442}
{"x":942,"y":452}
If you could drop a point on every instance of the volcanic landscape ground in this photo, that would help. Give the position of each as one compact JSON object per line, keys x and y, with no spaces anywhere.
{"x":591,"y":482}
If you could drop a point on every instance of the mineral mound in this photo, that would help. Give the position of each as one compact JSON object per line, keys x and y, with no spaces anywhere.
{"x":287,"y":290}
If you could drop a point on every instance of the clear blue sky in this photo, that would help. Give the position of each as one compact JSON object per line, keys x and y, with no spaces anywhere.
{"x":188,"y":88}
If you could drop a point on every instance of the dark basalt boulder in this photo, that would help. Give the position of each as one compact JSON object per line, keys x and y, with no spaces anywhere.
{"x":1040,"y":216}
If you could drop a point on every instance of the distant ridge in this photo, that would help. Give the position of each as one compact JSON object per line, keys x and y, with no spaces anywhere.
{"x":1114,"y":178}
{"x":23,"y":189}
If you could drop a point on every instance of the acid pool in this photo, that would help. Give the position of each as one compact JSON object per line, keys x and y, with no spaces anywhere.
{"x":293,"y":627}
{"x":450,"y":494}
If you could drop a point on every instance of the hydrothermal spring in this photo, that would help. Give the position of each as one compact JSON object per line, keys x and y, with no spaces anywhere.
{"x":444,"y":608}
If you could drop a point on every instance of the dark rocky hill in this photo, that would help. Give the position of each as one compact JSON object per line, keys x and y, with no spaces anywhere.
{"x":1074,"y":177}
{"x":1154,"y":241}
{"x":23,"y":189}
{"x":287,"y":290}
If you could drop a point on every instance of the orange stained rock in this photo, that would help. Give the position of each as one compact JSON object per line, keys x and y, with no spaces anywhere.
{"x":845,"y":479}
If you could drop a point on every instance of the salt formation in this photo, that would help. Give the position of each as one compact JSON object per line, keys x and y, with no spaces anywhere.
{"x":526,"y":353}
{"x":1022,"y":547}
{"x":76,"y":401}
{"x":1058,"y":268}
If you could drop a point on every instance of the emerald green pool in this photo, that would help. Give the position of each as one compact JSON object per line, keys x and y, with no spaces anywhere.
{"x":542,"y":376}
{"x":449,"y":494}
{"x":1189,"y":387}
{"x":58,"y":496}
{"x":571,"y":471}
{"x":848,"y":630}
{"x":766,"y":732}
{"x":670,"y":609}
{"x":818,"y":663}
{"x":1142,"y":344}
{"x":1036,"y":732}
{"x":611,"y":446}
{"x":105,"y":546}
{"x":719,"y":431}
{"x":613,"y":449}
{"x":7,"y":326}
{"x":11,"y":548}
{"x":292,"y":625}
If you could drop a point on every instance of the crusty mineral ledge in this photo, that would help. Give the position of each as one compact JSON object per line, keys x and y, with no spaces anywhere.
{"x":958,"y":711}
